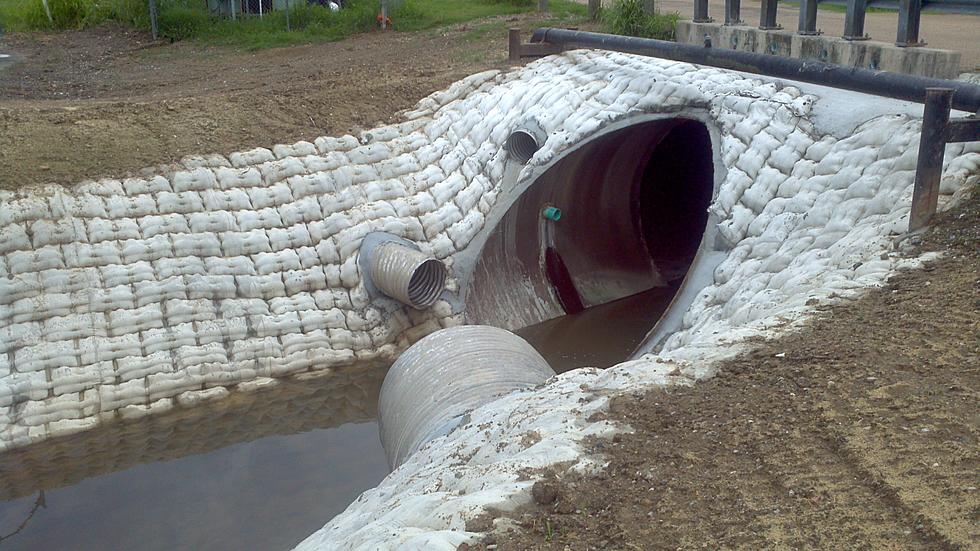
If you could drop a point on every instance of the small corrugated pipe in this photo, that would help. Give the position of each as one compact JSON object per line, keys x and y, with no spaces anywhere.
{"x":407,"y":275}
{"x":436,"y":382}
{"x":525,"y":141}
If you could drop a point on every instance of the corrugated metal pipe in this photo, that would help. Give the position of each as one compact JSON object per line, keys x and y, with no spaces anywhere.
{"x":441,"y":378}
{"x":404,"y":273}
{"x":525,"y":141}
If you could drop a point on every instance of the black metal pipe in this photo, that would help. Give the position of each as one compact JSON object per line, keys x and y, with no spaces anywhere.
{"x":966,"y":96}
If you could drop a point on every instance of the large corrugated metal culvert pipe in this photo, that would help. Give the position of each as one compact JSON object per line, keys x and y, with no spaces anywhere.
{"x":438,"y":380}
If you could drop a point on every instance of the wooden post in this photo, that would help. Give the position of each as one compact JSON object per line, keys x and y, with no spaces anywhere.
{"x":594,"y":9}
{"x":932,"y":146}
{"x":649,"y":7}
{"x":514,"y":44}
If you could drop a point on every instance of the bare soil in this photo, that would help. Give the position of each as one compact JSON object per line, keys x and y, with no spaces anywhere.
{"x":858,"y":432}
{"x":109,"y":101}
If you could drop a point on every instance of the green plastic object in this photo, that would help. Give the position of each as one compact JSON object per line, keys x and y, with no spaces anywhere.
{"x":552,"y":213}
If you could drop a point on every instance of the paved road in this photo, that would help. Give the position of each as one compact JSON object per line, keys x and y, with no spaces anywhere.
{"x":939,"y":30}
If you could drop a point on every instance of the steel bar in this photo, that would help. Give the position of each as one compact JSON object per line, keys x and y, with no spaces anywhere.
{"x":854,"y":20}
{"x":966,"y":96}
{"x":733,"y":12}
{"x":963,"y":130}
{"x":808,"y":17}
{"x":701,"y":12}
{"x":909,"y":15}
{"x":767,"y":17}
{"x":932,"y":145}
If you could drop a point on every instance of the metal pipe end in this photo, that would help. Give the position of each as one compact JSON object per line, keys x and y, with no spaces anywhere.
{"x":522,"y":145}
{"x":427,"y":283}
{"x":407,"y":275}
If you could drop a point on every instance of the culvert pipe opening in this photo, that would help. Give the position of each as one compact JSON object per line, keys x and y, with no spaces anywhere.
{"x":407,"y":275}
{"x":522,"y":146}
{"x":438,"y":380}
{"x":588,"y":290}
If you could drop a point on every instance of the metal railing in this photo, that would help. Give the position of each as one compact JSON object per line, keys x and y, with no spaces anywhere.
{"x":909,"y":15}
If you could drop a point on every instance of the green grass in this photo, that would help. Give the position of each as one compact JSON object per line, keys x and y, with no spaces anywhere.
{"x":626,"y":17}
{"x":26,"y":15}
{"x":189,"y":19}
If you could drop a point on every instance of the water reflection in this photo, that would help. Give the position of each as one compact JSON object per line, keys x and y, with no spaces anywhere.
{"x":260,"y":470}
{"x":601,"y":336}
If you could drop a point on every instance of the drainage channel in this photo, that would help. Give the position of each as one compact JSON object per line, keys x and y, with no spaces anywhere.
{"x":258,"y":470}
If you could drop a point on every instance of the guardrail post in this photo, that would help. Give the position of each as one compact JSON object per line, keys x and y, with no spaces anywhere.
{"x":854,"y":20}
{"x":929,"y":167}
{"x":767,"y":18}
{"x":732,"y":15}
{"x":594,"y":9}
{"x":701,"y":12}
{"x":513,"y":44}
{"x":909,"y":14}
{"x":808,"y":18}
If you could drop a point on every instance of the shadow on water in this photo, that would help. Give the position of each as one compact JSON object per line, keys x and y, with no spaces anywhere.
{"x":259,"y":470}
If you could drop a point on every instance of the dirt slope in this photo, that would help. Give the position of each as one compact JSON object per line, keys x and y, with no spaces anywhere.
{"x":107,"y":101}
{"x":859,"y":432}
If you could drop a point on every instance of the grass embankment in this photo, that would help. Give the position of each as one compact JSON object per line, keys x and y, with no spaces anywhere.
{"x":303,"y":22}
{"x":191,"y":19}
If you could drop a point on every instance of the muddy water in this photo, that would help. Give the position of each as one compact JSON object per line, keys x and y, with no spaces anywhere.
{"x":259,"y":470}
{"x":256,"y":471}
{"x":601,"y":336}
